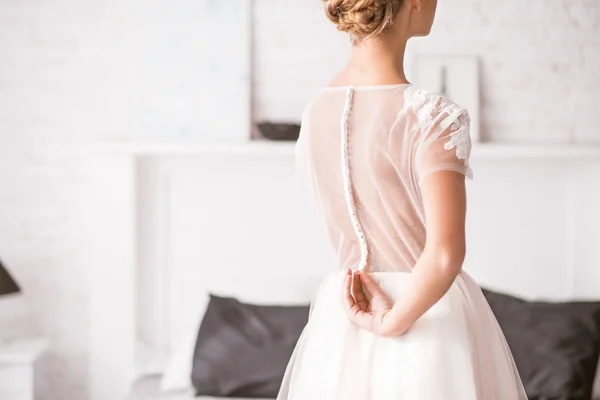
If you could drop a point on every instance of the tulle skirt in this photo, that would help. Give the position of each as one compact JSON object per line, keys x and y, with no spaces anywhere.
{"x":455,"y":351}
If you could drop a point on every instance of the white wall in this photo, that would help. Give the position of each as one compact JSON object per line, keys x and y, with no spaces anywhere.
{"x":296,"y":51}
{"x":540,"y":61}
{"x":72,"y":72}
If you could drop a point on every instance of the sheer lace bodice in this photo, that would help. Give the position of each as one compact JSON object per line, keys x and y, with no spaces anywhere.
{"x":396,"y":136}
{"x":363,"y":154}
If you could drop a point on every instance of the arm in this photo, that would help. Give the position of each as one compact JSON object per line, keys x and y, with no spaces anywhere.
{"x":369,"y":307}
{"x":440,"y":166}
{"x":444,"y":200}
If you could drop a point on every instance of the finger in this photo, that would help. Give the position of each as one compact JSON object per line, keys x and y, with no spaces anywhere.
{"x":370,"y":286}
{"x":367,"y":293}
{"x":348,"y":286}
{"x":348,"y":300}
{"x":361,"y":319}
{"x":357,"y":289}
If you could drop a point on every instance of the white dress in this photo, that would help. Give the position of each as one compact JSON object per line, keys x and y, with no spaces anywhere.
{"x":363,"y":152}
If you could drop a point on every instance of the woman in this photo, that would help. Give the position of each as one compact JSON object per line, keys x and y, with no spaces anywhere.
{"x":397,"y":319}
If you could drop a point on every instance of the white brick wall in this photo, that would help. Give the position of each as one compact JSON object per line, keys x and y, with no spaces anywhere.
{"x":75,"y":71}
{"x":46,"y":68}
{"x":540,"y":61}
{"x":296,"y":51}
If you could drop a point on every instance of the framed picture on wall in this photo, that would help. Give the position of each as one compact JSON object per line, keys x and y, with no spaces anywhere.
{"x":456,"y":77}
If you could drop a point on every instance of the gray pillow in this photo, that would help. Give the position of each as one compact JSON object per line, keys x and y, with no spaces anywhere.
{"x":242,"y":350}
{"x":555,"y":345}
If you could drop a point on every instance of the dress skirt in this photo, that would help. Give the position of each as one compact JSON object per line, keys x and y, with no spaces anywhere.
{"x":455,"y":351}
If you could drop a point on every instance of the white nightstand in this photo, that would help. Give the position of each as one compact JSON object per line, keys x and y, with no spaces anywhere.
{"x":17,"y":368}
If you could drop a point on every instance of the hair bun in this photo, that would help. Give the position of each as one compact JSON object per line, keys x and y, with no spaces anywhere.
{"x":362,"y":18}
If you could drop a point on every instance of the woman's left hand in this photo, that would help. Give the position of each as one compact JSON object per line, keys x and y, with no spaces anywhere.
{"x":366,"y":305}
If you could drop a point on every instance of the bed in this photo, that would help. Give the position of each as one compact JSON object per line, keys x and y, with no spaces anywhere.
{"x":166,"y":223}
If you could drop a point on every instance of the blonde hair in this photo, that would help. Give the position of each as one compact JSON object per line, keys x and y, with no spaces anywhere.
{"x":363,"y":18}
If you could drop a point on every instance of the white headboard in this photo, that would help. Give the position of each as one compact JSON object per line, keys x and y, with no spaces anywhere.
{"x":170,"y":220}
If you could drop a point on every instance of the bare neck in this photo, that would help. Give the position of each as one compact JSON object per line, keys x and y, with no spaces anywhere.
{"x":377,"y":61}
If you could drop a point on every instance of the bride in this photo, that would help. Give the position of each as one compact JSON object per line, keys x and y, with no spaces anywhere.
{"x":386,"y":162}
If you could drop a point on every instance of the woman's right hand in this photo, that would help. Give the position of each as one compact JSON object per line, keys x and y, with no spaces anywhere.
{"x":366,"y":305}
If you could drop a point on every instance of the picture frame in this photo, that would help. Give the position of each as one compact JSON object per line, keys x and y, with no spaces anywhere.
{"x":453,"y":76}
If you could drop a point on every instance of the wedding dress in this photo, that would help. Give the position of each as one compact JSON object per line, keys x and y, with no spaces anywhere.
{"x":363,"y":153}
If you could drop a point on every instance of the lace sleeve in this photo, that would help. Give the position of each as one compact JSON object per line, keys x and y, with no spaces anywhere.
{"x":444,"y":143}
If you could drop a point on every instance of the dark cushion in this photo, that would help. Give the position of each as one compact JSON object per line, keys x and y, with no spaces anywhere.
{"x":279,"y":131}
{"x":555,"y":345}
{"x":242,"y":350}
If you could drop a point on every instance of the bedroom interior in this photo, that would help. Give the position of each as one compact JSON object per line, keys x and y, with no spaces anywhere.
{"x":149,"y":191}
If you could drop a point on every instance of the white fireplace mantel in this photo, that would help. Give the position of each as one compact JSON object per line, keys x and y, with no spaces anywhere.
{"x":286,"y":148}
